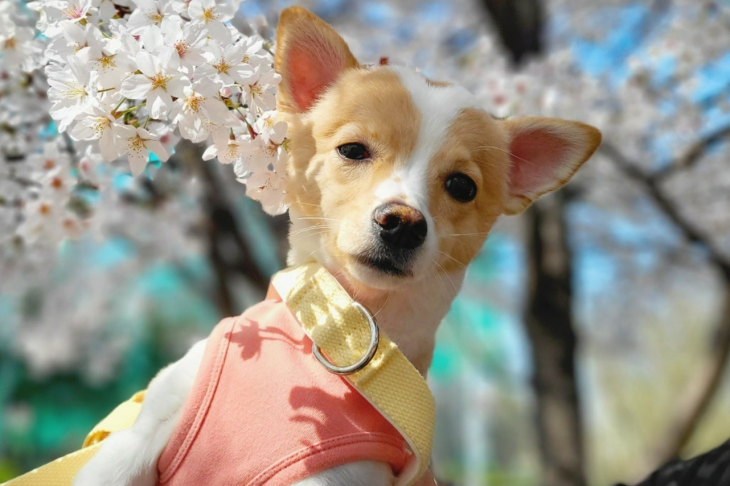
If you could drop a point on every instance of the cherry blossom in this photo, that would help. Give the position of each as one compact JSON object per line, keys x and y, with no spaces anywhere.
{"x":188,"y":41}
{"x":72,"y":91}
{"x":157,"y":84}
{"x":137,"y":142}
{"x":225,"y":64}
{"x":213,"y":15}
{"x":197,"y":106}
{"x":267,"y":187}
{"x":260,"y":88}
{"x":149,"y":13}
{"x":128,"y":82}
{"x":108,"y":58}
{"x":102,"y":126}
{"x":228,"y":149}
{"x":16,"y":44}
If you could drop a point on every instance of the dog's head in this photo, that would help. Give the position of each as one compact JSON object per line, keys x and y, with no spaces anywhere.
{"x":393,"y":177}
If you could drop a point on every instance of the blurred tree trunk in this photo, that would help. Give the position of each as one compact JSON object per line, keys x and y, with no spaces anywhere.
{"x":553,"y":341}
{"x":519,"y":24}
{"x":229,"y":252}
{"x":548,"y":320}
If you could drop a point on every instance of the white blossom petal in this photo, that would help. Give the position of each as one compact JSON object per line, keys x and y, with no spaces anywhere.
{"x":136,"y":87}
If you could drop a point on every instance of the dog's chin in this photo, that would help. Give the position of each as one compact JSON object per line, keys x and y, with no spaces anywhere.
{"x":378,"y":273}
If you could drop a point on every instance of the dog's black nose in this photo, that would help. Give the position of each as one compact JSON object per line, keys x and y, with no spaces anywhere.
{"x":401,"y":226}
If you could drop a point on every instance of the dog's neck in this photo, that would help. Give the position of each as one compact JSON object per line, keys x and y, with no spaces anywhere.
{"x":409,"y":315}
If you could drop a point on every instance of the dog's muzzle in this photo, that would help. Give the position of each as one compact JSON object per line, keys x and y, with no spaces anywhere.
{"x":400,"y":230}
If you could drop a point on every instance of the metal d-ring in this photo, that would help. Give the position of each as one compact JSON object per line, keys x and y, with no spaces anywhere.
{"x":362,"y":362}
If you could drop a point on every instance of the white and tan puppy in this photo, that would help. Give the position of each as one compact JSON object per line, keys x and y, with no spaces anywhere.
{"x":394,"y":183}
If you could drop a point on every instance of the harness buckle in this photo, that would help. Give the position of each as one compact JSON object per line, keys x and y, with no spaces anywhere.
{"x":362,"y":362}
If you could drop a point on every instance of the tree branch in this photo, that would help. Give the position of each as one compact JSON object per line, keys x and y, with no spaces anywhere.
{"x":665,"y":204}
{"x":708,"y":379}
{"x":693,"y":155}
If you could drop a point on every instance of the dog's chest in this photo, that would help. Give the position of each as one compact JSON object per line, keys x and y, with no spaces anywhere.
{"x":269,"y":413}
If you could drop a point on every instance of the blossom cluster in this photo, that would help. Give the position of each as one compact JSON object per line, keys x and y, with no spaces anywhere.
{"x":23,"y":114}
{"x":132,"y":77}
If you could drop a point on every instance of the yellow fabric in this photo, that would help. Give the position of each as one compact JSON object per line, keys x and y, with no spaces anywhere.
{"x":122,"y":417}
{"x":389,"y":381}
{"x":62,"y":471}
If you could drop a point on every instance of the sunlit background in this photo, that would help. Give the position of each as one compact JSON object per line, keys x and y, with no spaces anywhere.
{"x":592,"y":333}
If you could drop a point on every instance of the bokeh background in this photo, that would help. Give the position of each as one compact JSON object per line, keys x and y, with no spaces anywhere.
{"x":590,"y":341}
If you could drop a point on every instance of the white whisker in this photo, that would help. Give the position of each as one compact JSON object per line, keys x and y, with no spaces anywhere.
{"x":463,"y":265}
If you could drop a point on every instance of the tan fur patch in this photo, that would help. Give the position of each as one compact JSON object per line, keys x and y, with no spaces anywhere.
{"x":578,"y":141}
{"x":301,"y":32}
{"x":370,"y":107}
{"x":475,"y":146}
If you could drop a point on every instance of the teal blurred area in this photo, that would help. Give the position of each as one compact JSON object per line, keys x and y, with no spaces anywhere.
{"x":157,"y":312}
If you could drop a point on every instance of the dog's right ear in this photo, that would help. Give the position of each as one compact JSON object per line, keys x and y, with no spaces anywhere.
{"x":310,"y":56}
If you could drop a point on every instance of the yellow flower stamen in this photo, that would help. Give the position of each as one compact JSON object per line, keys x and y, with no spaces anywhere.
{"x":182,"y":48}
{"x":159,"y":81}
{"x":75,"y":91}
{"x":222,"y":66}
{"x":256,"y":90}
{"x":232,"y":150}
{"x":137,"y":145}
{"x":209,"y":15}
{"x":106,"y":61}
{"x":101,"y":125}
{"x":192,"y":102}
{"x":155,"y":17}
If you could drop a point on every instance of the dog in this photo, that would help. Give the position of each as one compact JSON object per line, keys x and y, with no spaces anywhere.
{"x":393,"y":184}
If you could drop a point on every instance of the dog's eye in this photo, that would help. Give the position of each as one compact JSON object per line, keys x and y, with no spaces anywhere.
{"x":353,"y":151}
{"x":461,"y":187}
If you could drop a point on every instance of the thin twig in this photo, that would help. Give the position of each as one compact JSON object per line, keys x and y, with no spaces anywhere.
{"x":694,"y":154}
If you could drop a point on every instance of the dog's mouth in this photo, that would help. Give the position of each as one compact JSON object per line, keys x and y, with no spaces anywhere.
{"x":385,"y":264}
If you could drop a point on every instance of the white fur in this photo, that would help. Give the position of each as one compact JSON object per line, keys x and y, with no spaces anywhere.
{"x":438,"y":107}
{"x":409,"y":314}
{"x":129,"y":457}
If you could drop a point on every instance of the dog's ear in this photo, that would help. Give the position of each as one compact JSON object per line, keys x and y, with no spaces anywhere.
{"x":544,"y":154}
{"x":310,"y":56}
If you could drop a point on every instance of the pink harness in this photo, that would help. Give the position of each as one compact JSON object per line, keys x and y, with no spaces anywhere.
{"x":264,"y":411}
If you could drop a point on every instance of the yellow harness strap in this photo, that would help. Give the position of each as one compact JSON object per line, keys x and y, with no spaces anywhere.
{"x":62,"y":471}
{"x":389,"y":381}
{"x":327,"y":314}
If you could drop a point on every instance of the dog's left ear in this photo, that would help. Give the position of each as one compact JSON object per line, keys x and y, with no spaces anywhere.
{"x":310,"y":56}
{"x":544,"y":154}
